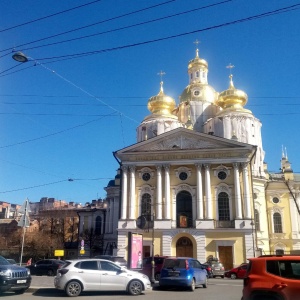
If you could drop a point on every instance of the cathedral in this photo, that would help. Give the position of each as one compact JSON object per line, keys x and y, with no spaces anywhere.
{"x":195,"y":183}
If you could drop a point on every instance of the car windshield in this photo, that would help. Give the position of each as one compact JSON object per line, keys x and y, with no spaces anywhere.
{"x":3,"y":261}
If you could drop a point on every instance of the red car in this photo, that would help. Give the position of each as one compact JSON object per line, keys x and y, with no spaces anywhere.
{"x":238,"y":272}
{"x":272,"y":277}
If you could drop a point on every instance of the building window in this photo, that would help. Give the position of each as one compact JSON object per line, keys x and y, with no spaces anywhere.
{"x":275,"y":200}
{"x":146,"y":176}
{"x":183,"y":176}
{"x":184,"y":209}
{"x":279,"y":252}
{"x":98,"y":225}
{"x":223,"y":207}
{"x":277,"y":223}
{"x":256,"y":220}
{"x":197,"y":74}
{"x":222,"y":175}
{"x":146,"y":206}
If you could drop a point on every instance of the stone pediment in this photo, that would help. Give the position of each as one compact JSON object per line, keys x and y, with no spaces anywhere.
{"x":183,"y":139}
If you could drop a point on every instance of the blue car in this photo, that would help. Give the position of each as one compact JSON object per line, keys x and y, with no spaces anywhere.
{"x":183,"y":272}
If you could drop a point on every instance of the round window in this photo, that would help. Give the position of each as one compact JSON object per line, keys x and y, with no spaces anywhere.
{"x":275,"y":200}
{"x":146,"y":176}
{"x":222,"y":175}
{"x":196,"y":93}
{"x":183,"y":176}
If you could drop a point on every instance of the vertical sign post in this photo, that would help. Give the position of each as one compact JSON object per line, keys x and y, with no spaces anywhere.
{"x":24,"y":222}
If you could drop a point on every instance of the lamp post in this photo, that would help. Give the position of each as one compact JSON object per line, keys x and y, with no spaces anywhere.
{"x":152,"y":261}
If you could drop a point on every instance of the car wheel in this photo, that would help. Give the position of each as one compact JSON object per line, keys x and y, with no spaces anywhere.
{"x":205,"y":284}
{"x":50,"y":272}
{"x":157,"y":276}
{"x":21,"y":291}
{"x":193,"y":285}
{"x":135,"y":287}
{"x":73,"y":289}
{"x":222,"y":276}
{"x":232,"y":276}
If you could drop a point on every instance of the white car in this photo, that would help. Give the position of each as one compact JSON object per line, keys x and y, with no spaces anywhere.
{"x":92,"y":274}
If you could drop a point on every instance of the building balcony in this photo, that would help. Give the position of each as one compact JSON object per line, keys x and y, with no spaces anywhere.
{"x":224,"y":224}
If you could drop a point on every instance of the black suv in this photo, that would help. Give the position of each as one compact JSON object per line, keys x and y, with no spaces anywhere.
{"x":13,"y":277}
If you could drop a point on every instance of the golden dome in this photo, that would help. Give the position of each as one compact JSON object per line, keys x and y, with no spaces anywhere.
{"x":232,"y":98}
{"x":198,"y":92}
{"x":161,"y":104}
{"x":197,"y":62}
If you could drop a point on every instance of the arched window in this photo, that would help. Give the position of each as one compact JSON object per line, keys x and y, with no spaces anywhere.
{"x":223,"y":207}
{"x":277,"y":222}
{"x":256,"y":220}
{"x":184,"y":209}
{"x":146,"y":206}
{"x":98,"y":225}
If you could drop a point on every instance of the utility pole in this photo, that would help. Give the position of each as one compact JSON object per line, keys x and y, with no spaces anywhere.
{"x":24,"y":222}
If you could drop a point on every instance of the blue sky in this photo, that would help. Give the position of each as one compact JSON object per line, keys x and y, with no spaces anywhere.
{"x":78,"y":99}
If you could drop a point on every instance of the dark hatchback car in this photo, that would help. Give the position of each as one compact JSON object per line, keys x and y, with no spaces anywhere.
{"x":46,"y":267}
{"x":147,"y":266}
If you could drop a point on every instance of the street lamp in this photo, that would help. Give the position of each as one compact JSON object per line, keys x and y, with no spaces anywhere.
{"x":20,"y":57}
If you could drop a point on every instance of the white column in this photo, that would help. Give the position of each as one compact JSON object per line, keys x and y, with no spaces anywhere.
{"x":208,"y":193}
{"x":132,"y":193}
{"x":158,"y":194}
{"x":167,"y":193}
{"x":124,"y":192}
{"x":237,"y":190}
{"x":247,"y":203}
{"x":199,"y":192}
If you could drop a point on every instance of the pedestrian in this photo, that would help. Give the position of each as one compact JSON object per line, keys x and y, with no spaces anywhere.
{"x":29,"y":261}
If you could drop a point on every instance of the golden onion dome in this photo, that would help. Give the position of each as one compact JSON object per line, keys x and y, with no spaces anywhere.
{"x":199,"y":92}
{"x":161,"y":104}
{"x":197,"y":62}
{"x":232,"y":98}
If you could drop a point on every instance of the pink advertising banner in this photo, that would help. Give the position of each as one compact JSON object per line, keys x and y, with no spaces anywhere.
{"x":136,"y":259}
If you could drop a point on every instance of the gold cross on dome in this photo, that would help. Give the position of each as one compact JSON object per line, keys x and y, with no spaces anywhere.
{"x":230,"y":67}
{"x":196,"y":43}
{"x":161,"y":74}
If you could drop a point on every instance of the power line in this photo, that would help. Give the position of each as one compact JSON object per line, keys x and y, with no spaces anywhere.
{"x":113,"y":30}
{"x":251,"y":18}
{"x":52,"y":134}
{"x":90,"y":25}
{"x":49,"y":16}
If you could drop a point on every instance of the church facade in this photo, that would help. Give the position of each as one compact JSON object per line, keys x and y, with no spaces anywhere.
{"x":197,"y":179}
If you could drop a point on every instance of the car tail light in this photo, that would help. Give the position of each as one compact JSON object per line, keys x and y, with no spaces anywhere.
{"x":186,"y":265}
{"x":208,"y":268}
{"x":62,"y":271}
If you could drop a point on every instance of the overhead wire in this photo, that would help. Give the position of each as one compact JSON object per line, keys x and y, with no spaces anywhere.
{"x":262,"y":15}
{"x":94,"y":24}
{"x":49,"y":16}
{"x":117,"y":29}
